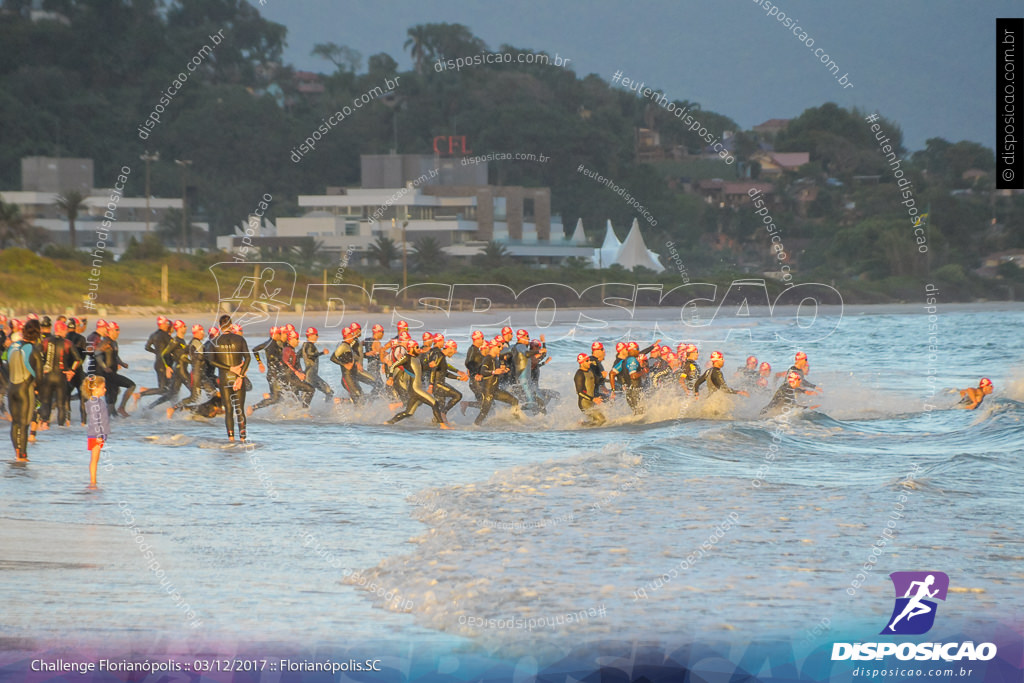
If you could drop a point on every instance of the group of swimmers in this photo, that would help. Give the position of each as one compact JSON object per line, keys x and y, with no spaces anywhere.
{"x":45,"y":362}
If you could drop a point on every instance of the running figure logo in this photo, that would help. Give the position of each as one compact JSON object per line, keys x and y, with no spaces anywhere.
{"x":914,"y":612}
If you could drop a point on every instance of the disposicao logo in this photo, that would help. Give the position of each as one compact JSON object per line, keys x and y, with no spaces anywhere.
{"x":914,"y":612}
{"x":912,"y":615}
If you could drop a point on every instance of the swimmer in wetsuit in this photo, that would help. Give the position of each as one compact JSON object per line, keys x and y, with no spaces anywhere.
{"x":24,"y":365}
{"x":786,"y":396}
{"x":587,"y":398}
{"x":474,"y":358}
{"x":61,"y":361}
{"x":971,"y":397}
{"x":714,"y":377}
{"x":446,"y":395}
{"x":412,"y":370}
{"x":273,"y":348}
{"x":156,"y":344}
{"x":197,"y":377}
{"x":801,"y":367}
{"x":345,"y":357}
{"x":597,"y":369}
{"x":231,"y":357}
{"x":691,"y":370}
{"x":310,"y":354}
{"x":174,"y":357}
{"x":108,"y":364}
{"x":746,"y":377}
{"x":490,"y":372}
{"x":764,"y":377}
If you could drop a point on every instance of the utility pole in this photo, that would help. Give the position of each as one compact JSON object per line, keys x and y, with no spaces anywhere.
{"x":184,"y":199}
{"x":147,"y":157}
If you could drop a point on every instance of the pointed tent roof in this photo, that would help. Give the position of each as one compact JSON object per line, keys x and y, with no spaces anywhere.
{"x":578,"y":236}
{"x":634,"y":252}
{"x":609,"y":251}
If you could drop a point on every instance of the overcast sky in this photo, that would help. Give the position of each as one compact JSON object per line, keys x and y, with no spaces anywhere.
{"x":927,"y":64}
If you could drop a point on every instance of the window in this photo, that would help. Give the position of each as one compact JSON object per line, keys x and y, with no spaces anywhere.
{"x":351,"y":229}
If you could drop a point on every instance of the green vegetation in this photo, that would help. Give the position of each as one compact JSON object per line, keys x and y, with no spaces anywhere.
{"x":83,"y":90}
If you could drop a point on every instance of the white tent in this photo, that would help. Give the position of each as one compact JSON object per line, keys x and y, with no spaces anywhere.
{"x":634,"y":252}
{"x":609,"y":251}
{"x":578,"y":236}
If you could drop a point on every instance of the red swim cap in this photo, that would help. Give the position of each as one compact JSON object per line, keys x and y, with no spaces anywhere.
{"x":162,"y":321}
{"x":236,"y":329}
{"x":691,"y":348}
{"x":60,"y":326}
{"x":478,"y":334}
{"x":522,"y":333}
{"x":717,"y":355}
{"x":402,"y":325}
{"x":427,"y":336}
{"x":438,"y":338}
{"x":311,"y":331}
{"x":506,"y":330}
{"x":197,"y":328}
{"x":101,"y":323}
{"x":633,"y":346}
{"x":403,"y":336}
{"x":765,"y":366}
{"x":800,"y":355}
{"x":356,"y":326}
{"x":751,"y":360}
{"x":620,"y":347}
{"x":451,"y":344}
{"x":597,"y":346}
{"x":378,"y":328}
{"x":179,"y":324}
{"x":665,"y":349}
{"x":582,"y":357}
{"x":793,"y":375}
{"x":985,"y":382}
{"x":214,"y":331}
{"x":113,"y":326}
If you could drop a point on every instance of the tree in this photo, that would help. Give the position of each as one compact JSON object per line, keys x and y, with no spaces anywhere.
{"x":308,"y":252}
{"x":384,"y":251}
{"x":416,"y":43}
{"x":494,"y":255}
{"x":13,"y":226}
{"x":71,"y":202}
{"x":429,"y":256}
{"x":343,"y":57}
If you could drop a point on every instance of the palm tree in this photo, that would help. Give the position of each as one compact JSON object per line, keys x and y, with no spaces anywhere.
{"x":494,"y":255}
{"x":384,"y":250}
{"x":13,"y":225}
{"x":417,"y":44}
{"x":430,"y":257}
{"x":308,"y":252}
{"x":71,"y":202}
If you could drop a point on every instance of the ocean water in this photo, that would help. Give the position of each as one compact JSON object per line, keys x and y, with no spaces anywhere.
{"x":694,"y":521}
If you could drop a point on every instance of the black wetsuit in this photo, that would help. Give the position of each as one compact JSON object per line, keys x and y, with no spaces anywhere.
{"x":358,"y":349}
{"x":586,"y":392}
{"x":344,"y":356}
{"x":310,"y":356}
{"x":108,"y":363}
{"x":81,"y":345}
{"x":199,"y":380}
{"x":785,"y":395}
{"x":521,"y":358}
{"x":372,"y":359}
{"x":489,"y":389}
{"x":290,"y":370}
{"x":174,"y":356}
{"x":715,"y":380}
{"x":59,"y":355}
{"x":231,"y":350}
{"x":273,"y":350}
{"x":692,"y":372}
{"x":474,"y":357}
{"x":597,"y":370}
{"x":440,"y":372}
{"x":412,"y":367}
{"x":156,"y":344}
{"x":804,"y":382}
{"x":21,"y":396}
